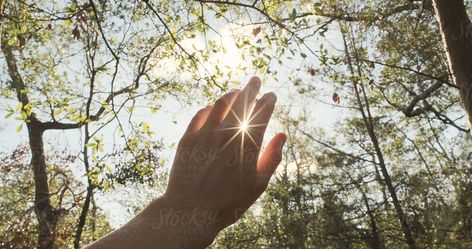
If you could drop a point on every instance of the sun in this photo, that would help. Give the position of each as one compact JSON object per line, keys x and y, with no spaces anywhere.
{"x":244,"y":126}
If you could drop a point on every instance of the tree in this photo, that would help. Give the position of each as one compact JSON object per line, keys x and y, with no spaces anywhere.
{"x":17,"y":203}
{"x":388,"y":162}
{"x":456,"y":33}
{"x":84,"y":65}
{"x":392,"y":173}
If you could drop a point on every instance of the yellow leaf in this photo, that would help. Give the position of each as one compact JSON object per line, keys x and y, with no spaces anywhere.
{"x":68,"y":22}
{"x":18,"y":129}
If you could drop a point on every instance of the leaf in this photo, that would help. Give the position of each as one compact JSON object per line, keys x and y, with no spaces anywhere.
{"x":256,"y":31}
{"x":303,"y":55}
{"x":293,"y":15}
{"x":24,"y":116}
{"x":19,"y":106}
{"x":23,"y":29}
{"x":9,"y":115}
{"x":336,"y":98}
{"x":12,"y":41}
{"x":18,"y":129}
{"x":312,"y":71}
{"x":73,"y":6}
{"x":101,"y":69}
{"x":57,"y":111}
{"x":68,"y":22}
{"x":76,"y":32}
{"x":153,"y":110}
{"x":235,"y":83}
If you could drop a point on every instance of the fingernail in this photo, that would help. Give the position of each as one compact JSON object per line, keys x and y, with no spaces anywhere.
{"x":269,"y":97}
{"x":254,"y":82}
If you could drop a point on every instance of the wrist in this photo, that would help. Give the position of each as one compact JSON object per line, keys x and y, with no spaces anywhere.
{"x":184,"y":221}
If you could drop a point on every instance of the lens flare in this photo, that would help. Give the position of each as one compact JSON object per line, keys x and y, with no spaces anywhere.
{"x":244,"y":126}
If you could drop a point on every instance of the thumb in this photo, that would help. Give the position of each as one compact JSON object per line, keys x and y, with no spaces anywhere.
{"x":269,"y":161}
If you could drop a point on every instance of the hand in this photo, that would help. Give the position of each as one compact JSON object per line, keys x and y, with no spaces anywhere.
{"x":216,"y":167}
{"x":216,"y":175}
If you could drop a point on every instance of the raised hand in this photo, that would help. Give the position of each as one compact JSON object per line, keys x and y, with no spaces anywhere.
{"x":217,"y":173}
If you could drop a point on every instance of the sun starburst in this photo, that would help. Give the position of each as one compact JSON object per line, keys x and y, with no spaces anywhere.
{"x":243,"y":127}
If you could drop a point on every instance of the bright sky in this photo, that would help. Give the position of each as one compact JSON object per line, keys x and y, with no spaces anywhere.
{"x":170,"y":121}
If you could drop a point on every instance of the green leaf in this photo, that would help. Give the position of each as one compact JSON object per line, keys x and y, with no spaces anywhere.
{"x":68,"y":22}
{"x":12,"y":41}
{"x":293,"y":15}
{"x":18,"y":129}
{"x":73,"y":6}
{"x":24,"y":116}
{"x":9,"y":115}
{"x":57,"y":111}
{"x":153,"y":110}
{"x":23,"y":29}
{"x":235,"y":83}
{"x":101,"y":69}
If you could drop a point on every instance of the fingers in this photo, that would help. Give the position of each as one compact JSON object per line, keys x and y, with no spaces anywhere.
{"x":266,"y":167}
{"x":220,"y":110}
{"x":260,"y":118}
{"x":198,"y":120}
{"x":244,"y":103}
{"x":268,"y":163}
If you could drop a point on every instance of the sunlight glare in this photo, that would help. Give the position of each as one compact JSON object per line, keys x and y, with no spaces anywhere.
{"x":244,"y":126}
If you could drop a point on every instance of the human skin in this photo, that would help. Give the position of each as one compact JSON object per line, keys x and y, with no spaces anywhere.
{"x":216,"y":176}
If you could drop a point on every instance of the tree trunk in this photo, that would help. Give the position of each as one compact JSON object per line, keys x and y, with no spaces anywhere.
{"x":364,"y":109}
{"x":456,"y":32}
{"x":45,"y":214}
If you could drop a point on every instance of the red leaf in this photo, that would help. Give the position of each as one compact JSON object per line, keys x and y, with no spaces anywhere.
{"x":76,"y":33}
{"x":336,"y":98}
{"x":371,"y":64}
{"x":256,"y":31}
{"x":312,"y":71}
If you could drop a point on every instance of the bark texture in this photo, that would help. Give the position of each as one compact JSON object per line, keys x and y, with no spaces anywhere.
{"x":456,"y":32}
{"x":46,"y":215}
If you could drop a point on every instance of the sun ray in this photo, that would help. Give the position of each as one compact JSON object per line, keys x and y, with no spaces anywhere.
{"x":256,"y":113}
{"x":241,"y":149}
{"x":242,"y":127}
{"x":252,"y":139}
{"x":230,"y":140}
{"x":229,"y":128}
